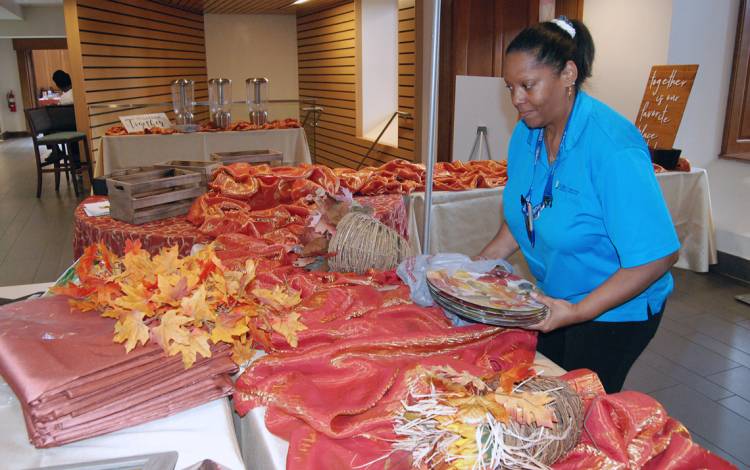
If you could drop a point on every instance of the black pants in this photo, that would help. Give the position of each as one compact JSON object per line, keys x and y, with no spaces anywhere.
{"x":607,"y":348}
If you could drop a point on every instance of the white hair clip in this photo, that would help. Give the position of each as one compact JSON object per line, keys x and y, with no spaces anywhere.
{"x":565,"y":26}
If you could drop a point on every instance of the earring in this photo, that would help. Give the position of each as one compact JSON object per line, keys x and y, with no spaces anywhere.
{"x":570,"y":92}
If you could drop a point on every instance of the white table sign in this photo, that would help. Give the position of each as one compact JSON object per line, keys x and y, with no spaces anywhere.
{"x":139,"y":122}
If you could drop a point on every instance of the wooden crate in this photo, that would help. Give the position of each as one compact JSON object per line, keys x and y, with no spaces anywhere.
{"x":203,"y":168}
{"x":100,"y":182}
{"x":274,"y":157}
{"x":150,"y":195}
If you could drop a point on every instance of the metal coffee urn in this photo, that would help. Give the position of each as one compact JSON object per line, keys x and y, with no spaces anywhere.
{"x":220,"y":101}
{"x":257,"y":99}
{"x":183,"y":93}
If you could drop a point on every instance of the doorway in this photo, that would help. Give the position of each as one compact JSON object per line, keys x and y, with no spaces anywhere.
{"x":38,"y":58}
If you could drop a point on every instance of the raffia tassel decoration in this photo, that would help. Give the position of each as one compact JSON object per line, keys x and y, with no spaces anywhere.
{"x":475,"y":427}
{"x":361,"y":243}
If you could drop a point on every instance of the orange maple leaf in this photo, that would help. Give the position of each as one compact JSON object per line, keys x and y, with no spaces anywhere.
{"x":85,"y":263}
{"x":167,"y":261}
{"x":242,"y":350}
{"x":279,"y":298}
{"x":135,"y":298}
{"x":226,"y":329}
{"x":514,"y":375}
{"x":73,"y":290}
{"x":131,"y":330}
{"x":528,"y":407}
{"x":171,"y":330}
{"x":171,"y":289}
{"x":237,"y":281}
{"x":288,"y":327}
{"x":196,"y":306}
{"x":197,"y":343}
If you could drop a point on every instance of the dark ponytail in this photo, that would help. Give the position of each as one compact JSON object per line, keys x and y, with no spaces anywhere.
{"x":552,"y":45}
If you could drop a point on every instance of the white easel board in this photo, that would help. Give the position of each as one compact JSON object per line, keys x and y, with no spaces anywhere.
{"x":482,"y":101}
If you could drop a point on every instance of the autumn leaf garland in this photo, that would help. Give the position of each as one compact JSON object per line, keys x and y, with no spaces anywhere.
{"x":182,"y":304}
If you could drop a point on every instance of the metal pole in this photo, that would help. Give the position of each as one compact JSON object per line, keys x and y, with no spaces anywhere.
{"x":432,"y":123}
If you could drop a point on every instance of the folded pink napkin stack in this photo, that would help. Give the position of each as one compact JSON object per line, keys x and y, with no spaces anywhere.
{"x":74,"y":382}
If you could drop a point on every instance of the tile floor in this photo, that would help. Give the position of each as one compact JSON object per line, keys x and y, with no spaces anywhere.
{"x":697,"y":366}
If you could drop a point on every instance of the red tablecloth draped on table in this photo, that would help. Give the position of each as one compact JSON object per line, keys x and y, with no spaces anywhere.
{"x":389,"y":209}
{"x":113,"y":233}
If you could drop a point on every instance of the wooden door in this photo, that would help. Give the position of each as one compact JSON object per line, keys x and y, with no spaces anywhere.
{"x":473,"y":38}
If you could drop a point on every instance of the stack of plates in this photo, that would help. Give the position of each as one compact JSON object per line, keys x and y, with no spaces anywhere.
{"x":495,"y":298}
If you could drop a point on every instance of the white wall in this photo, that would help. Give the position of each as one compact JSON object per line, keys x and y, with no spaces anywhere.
{"x":704,"y":33}
{"x":245,"y":46}
{"x":38,"y":22}
{"x":630,"y":36}
{"x":377,"y":22}
{"x":10,"y":122}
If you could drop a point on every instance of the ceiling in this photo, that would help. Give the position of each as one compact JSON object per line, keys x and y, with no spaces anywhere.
{"x":248,"y":6}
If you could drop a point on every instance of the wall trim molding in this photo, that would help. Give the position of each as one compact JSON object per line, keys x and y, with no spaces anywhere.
{"x":13,"y":135}
{"x":732,"y":266}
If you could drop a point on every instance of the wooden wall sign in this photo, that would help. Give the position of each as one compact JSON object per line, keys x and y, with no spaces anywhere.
{"x":663,"y":104}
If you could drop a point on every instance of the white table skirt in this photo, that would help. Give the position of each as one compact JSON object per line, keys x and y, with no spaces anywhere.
{"x":204,"y":432}
{"x":465,"y":221}
{"x":263,"y":450}
{"x":142,"y":150}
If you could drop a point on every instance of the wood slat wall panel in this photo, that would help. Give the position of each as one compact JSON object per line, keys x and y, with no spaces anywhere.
{"x":129,"y":62}
{"x":126,"y":9}
{"x":114,"y":28}
{"x":126,"y":51}
{"x":126,"y":20}
{"x":329,"y":46}
{"x":338,"y":19}
{"x":130,"y":51}
{"x":326,"y":41}
{"x":105,"y":38}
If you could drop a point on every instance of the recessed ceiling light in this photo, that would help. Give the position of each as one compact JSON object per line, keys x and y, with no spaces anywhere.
{"x":297,"y":2}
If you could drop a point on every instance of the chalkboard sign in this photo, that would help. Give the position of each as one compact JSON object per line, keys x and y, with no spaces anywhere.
{"x":664,"y":100}
{"x":139,"y":122}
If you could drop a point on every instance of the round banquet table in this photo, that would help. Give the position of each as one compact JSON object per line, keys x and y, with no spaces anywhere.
{"x":388,"y":208}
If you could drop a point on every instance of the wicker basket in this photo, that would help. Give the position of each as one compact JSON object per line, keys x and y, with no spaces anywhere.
{"x":362,"y":243}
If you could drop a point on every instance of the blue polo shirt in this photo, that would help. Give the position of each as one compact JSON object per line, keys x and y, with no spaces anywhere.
{"x":607,"y":213}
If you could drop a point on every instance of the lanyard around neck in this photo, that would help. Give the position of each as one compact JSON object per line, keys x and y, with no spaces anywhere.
{"x":547,"y":196}
{"x":530,"y":211}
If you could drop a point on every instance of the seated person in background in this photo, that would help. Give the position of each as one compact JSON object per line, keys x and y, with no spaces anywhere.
{"x":63,"y":82}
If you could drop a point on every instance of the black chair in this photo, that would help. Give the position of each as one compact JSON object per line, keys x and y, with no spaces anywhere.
{"x":54,"y":127}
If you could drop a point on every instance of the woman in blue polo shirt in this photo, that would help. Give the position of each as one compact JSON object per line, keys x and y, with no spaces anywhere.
{"x":583,"y":205}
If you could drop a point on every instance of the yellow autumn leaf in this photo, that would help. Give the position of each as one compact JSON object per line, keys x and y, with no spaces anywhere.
{"x":167,"y":261}
{"x":196,"y":306}
{"x":224,"y":331}
{"x":475,"y":408}
{"x":137,"y":266}
{"x":197,"y":343}
{"x":279,"y":298}
{"x":216,"y":287}
{"x":242,"y":350}
{"x":237,"y":281}
{"x":135,"y":299}
{"x":288,"y":327}
{"x":131,"y":330}
{"x":171,"y":288}
{"x":171,"y":330}
{"x":528,"y":407}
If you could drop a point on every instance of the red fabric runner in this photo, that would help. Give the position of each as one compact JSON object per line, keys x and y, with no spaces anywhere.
{"x":334,"y":402}
{"x":389,"y":209}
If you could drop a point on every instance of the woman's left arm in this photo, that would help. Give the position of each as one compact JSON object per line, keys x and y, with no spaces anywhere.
{"x":622,"y":286}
